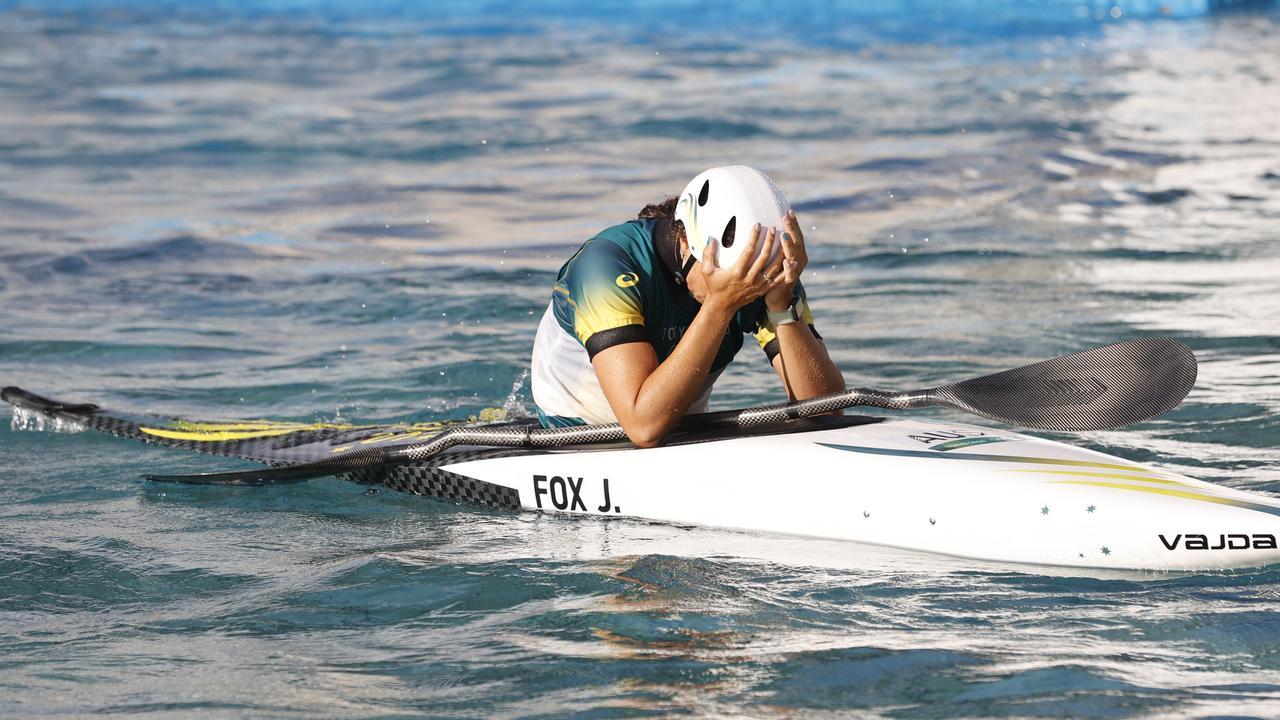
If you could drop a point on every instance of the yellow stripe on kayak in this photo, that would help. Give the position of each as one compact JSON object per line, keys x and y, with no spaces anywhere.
{"x":1245,"y":504}
{"x":218,"y":432}
{"x":248,"y":426}
{"x":1079,"y":463}
{"x":282,"y":425}
{"x":1113,"y":476}
{"x":221,"y":435}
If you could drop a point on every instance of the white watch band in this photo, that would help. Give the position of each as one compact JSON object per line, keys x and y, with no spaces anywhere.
{"x":782,"y":317}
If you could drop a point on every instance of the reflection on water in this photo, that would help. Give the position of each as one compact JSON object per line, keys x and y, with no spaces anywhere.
{"x":357,"y":212}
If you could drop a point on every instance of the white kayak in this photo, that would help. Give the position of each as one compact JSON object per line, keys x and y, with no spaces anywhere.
{"x":937,"y":487}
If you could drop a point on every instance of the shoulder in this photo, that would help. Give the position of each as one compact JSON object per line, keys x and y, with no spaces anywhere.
{"x":613,"y":252}
{"x":600,"y":295}
{"x":633,"y":239}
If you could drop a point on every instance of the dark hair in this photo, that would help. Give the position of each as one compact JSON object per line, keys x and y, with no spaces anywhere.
{"x":668,"y":246}
{"x":657,"y":211}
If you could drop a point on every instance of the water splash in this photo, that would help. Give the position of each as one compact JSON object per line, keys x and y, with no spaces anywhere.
{"x":26,"y":420}
{"x":516,"y":403}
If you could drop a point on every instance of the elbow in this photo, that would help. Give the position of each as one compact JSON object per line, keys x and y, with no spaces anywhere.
{"x":646,"y":440}
{"x":644,"y":435}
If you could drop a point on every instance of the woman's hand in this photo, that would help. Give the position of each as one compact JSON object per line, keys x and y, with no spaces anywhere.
{"x":789,"y":266}
{"x":750,"y":277}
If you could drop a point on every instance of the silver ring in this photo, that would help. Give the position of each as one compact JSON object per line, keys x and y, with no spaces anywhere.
{"x":766,"y":277}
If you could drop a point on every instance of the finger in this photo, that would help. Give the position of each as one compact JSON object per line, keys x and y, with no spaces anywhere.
{"x":762,"y":258}
{"x":779,"y":262}
{"x":793,"y":240}
{"x":798,"y":256}
{"x":775,"y":283}
{"x":708,"y":261}
{"x":792,"y":225}
{"x":744,"y":264}
{"x":788,"y":245}
{"x":792,"y":272}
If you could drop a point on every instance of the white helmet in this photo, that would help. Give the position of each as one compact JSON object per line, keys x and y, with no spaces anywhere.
{"x":722,"y":204}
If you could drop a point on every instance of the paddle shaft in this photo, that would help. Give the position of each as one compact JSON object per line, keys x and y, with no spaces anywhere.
{"x":530,"y":437}
{"x":1102,"y":387}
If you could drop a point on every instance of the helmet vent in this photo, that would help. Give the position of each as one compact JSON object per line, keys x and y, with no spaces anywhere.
{"x":726,"y":240}
{"x":702,"y":194}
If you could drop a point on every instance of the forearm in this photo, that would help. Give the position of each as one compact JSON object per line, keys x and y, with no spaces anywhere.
{"x":804,"y":364}
{"x":671,"y":388}
{"x":650,"y":398}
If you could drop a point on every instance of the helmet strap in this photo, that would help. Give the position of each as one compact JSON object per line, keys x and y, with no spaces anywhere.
{"x":682,"y":274}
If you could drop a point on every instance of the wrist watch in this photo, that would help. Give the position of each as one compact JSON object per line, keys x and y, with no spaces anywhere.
{"x":782,"y":317}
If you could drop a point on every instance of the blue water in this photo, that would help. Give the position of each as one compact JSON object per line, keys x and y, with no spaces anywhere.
{"x":295,"y":209}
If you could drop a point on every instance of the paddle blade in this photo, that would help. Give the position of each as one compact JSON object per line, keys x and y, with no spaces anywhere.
{"x":283,"y":474}
{"x":263,"y":476}
{"x":1106,"y":387}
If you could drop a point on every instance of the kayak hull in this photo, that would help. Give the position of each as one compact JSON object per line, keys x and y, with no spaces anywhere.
{"x":936,"y":487}
{"x":929,"y":486}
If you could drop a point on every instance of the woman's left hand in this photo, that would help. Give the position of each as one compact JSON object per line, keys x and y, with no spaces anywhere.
{"x":790,"y":265}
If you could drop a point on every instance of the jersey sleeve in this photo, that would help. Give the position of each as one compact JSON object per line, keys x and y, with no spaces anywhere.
{"x":766,"y":334}
{"x":598,"y":298}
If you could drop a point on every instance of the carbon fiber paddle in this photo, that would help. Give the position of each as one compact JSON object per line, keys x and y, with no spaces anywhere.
{"x":1105,"y":387}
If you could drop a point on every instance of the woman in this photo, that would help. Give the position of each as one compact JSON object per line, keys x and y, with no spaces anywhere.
{"x":646,"y":315}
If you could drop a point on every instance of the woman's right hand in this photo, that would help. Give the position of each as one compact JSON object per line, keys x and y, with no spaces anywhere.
{"x":750,"y":277}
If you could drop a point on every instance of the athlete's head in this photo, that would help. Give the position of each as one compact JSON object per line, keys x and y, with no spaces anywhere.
{"x":722,"y":204}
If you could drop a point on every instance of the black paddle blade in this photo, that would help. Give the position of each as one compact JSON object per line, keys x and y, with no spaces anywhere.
{"x":259,"y":477}
{"x":284,"y":474}
{"x":1106,"y":387}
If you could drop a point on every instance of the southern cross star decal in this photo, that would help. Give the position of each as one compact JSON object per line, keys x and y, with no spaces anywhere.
{"x":1091,"y":508}
{"x":1106,"y":550}
{"x":1044,"y":510}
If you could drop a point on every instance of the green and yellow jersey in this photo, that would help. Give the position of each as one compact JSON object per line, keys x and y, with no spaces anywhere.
{"x":617,"y":290}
